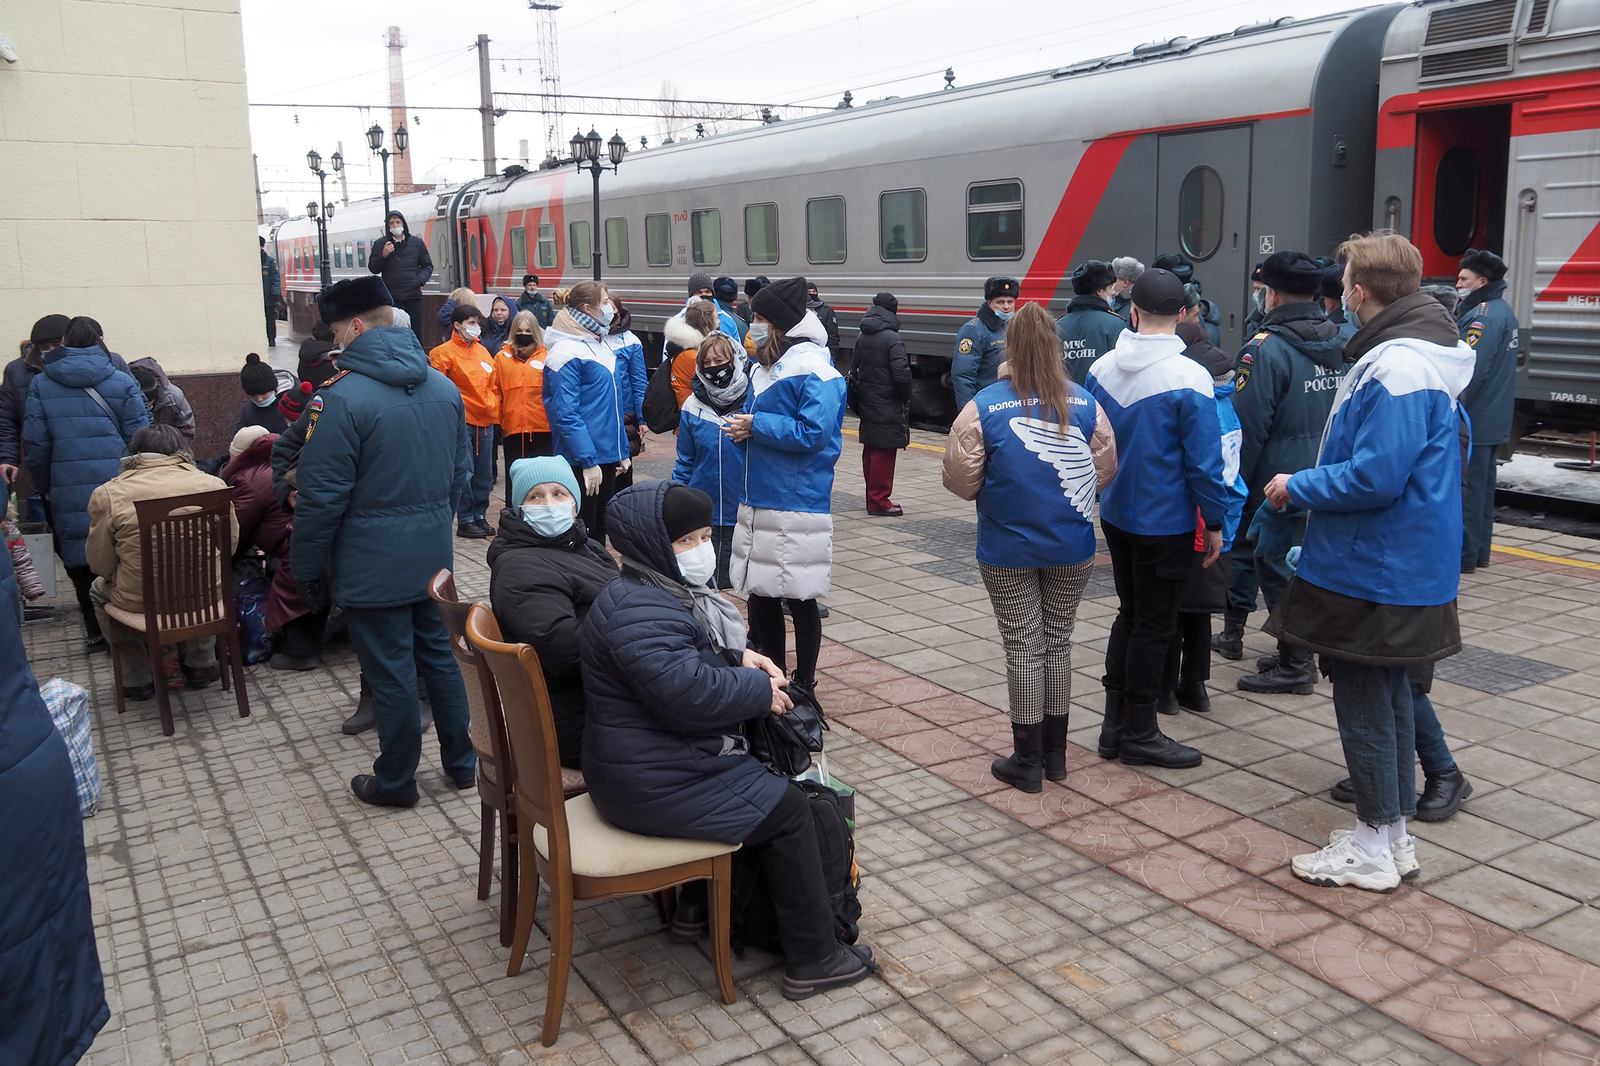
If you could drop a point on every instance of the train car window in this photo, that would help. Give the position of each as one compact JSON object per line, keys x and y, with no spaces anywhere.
{"x":825,"y":230}
{"x":338,"y":257}
{"x":616,"y":242}
{"x":519,"y":249}
{"x":761,"y":234}
{"x":903,"y":226}
{"x":1200,"y":213}
{"x":994,"y":220}
{"x":547,"y":245}
{"x":361,"y":252}
{"x":1455,"y":200}
{"x":658,"y":240}
{"x":472,"y":252}
{"x":578,"y":240}
{"x":350,"y":255}
{"x":705,"y":236}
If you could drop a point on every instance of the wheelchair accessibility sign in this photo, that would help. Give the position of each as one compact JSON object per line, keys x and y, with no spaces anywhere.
{"x":1268,"y":243}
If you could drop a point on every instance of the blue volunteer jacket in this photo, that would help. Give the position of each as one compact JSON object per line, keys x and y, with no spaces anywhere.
{"x":385,"y":457}
{"x":630,"y":351}
{"x":1232,"y":448}
{"x":588,"y":387}
{"x":709,"y":460}
{"x":798,"y":404}
{"x":1088,"y":330}
{"x":1488,"y":324}
{"x":1169,"y":443}
{"x":980,"y":349}
{"x":1036,"y":506}
{"x":1385,"y":497}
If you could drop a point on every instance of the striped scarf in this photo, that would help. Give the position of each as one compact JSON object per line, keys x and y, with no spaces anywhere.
{"x":588,"y":322}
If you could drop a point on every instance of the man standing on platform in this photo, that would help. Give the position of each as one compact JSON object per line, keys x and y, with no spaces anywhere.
{"x":981,"y":344}
{"x":271,"y":292}
{"x":384,"y":461}
{"x":1489,"y":325}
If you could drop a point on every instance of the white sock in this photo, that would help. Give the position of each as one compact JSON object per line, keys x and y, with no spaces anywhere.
{"x":1371,"y":839}
{"x":1397,"y":831}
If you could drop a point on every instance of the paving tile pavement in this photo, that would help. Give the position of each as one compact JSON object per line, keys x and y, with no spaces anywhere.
{"x":249,"y":910}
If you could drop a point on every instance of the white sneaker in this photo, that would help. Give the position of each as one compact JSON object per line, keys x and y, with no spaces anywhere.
{"x":1404,"y":849}
{"x":1342,"y":863}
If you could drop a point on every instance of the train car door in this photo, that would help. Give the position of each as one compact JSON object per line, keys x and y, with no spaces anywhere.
{"x":1203,"y":211}
{"x":474,"y":238}
{"x":1460,"y":192}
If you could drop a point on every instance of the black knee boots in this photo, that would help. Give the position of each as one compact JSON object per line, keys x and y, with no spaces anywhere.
{"x":1111,"y":728}
{"x":1055,"y":747}
{"x":1025,"y":768}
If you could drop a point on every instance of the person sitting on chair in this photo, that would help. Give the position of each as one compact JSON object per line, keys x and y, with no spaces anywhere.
{"x":159,"y":465}
{"x":669,"y":685}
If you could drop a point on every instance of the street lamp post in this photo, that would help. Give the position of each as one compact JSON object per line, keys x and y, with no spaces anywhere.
{"x":586,"y":151}
{"x":375,"y":142}
{"x":314,"y":161}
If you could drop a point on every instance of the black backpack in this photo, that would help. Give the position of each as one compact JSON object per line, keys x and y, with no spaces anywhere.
{"x":755,"y":922}
{"x":661,"y":408}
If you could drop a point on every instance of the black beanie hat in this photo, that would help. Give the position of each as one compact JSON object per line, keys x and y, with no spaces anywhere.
{"x":1159,"y":292}
{"x":700,"y":279}
{"x":685,"y":510}
{"x":994,"y":288}
{"x":49,"y":328}
{"x":1484,"y":262}
{"x":783,"y":303}
{"x":257,"y":378}
{"x":1091,"y":276}
{"x":1333,"y":283}
{"x":352,"y":297}
{"x":888,"y":301}
{"x":1176,"y":264}
{"x":1295,"y":273}
{"x":725,"y":289}
{"x":756,"y":284}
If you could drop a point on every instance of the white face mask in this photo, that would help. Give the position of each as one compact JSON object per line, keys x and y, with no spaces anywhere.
{"x":699,"y":563}
{"x":1462,"y":294}
{"x":759,"y":333}
{"x":397,"y":232}
{"x":472,"y":331}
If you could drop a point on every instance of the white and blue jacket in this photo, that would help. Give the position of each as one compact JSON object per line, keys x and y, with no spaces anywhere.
{"x":798,"y":404}
{"x":1232,"y":448}
{"x":588,"y":386}
{"x":1385,"y":495}
{"x":630,"y":350}
{"x":709,"y":460}
{"x":1169,"y":442}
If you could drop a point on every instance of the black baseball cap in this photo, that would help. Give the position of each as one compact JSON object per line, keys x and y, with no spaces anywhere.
{"x":49,"y":328}
{"x":1159,"y":292}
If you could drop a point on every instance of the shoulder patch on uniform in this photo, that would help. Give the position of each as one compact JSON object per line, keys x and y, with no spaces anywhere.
{"x":1474,"y":334}
{"x":1248,"y":357}
{"x":313,"y":412}
{"x":965,"y":347}
{"x":1263,"y":335}
{"x":1241,"y":376}
{"x":335,"y":377}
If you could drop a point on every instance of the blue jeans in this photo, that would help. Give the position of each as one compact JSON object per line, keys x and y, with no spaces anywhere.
{"x":1431,"y":748}
{"x":475,"y":500}
{"x":394,"y":645}
{"x":1378,"y":730}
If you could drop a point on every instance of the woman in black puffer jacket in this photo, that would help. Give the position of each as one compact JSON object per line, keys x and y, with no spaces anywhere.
{"x":880,"y":394}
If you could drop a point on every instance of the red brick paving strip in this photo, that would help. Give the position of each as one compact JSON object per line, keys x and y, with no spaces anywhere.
{"x":1477,"y":988}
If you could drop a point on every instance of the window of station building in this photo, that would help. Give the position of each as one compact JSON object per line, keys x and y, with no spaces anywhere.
{"x":825,"y":230}
{"x":616,"y":242}
{"x":1455,"y":200}
{"x":350,"y":255}
{"x":761,"y":234}
{"x":994,"y":220}
{"x":658,"y":240}
{"x":1200,"y":213}
{"x":903,"y":226}
{"x":547,"y":245}
{"x":519,"y":250}
{"x":581,"y":252}
{"x":705,"y":236}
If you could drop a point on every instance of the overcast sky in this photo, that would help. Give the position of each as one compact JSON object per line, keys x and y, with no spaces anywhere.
{"x":330,"y":52}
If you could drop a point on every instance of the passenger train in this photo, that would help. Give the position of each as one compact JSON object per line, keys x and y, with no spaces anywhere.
{"x":1462,"y":123}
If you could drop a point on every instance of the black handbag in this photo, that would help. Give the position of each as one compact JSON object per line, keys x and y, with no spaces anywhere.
{"x":785,"y":742}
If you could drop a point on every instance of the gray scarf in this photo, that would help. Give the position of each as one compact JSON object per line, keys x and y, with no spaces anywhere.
{"x":715,"y":613}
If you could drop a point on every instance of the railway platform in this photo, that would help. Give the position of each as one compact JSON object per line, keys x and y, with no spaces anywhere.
{"x":250,"y":911}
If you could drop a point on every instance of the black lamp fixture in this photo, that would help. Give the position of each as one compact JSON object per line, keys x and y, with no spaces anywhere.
{"x":375,"y":142}
{"x":586,"y":153}
{"x":314,"y":161}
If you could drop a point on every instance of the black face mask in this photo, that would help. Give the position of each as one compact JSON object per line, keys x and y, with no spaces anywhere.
{"x":523,"y":340}
{"x":719,"y":377}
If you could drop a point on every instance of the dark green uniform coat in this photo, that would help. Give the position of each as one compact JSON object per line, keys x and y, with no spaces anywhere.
{"x":1088,"y":330}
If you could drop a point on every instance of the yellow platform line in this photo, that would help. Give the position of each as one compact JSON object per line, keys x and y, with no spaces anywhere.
{"x":914,"y":444}
{"x":1560,"y":560}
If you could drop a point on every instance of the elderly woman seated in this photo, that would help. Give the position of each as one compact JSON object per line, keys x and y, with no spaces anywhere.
{"x":159,"y":465}
{"x":544,"y":572}
{"x":670,"y":684}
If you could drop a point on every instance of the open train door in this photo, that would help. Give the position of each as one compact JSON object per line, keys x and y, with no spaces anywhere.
{"x":1460,"y":192}
{"x":474,"y":242}
{"x":1203,"y":211}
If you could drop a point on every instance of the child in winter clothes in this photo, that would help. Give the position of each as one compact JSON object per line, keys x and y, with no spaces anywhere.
{"x":708,"y":459}
{"x":28,"y":583}
{"x":518,"y":385}
{"x":261,"y":387}
{"x":468,"y":366}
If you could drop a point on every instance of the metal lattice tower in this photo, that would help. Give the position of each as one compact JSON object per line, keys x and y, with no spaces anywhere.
{"x":549,"y":75}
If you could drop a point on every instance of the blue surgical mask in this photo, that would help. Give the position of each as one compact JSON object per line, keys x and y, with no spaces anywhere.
{"x":548,"y":519}
{"x":1004,"y":316}
{"x":1344,"y":305}
{"x":759,"y":334}
{"x":264,"y":401}
{"x":605,"y":314}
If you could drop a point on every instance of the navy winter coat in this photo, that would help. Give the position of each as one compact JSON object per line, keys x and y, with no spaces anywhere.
{"x":385,"y":457}
{"x":14,"y":382}
{"x":1088,"y":330}
{"x":72,"y":446}
{"x":663,"y":749}
{"x":52,"y":995}
{"x":406,"y":269}
{"x":1487,"y":323}
{"x":1287,"y":378}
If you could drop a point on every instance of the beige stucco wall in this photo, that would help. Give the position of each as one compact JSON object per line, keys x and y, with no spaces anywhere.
{"x":126,"y":187}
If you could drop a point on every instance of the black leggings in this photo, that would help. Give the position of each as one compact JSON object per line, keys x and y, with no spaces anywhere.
{"x":766,"y":630}
{"x":82,"y":577}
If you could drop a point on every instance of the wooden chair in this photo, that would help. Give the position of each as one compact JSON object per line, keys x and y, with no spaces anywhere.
{"x":495,"y":777}
{"x":186,"y":552}
{"x":568,"y":844}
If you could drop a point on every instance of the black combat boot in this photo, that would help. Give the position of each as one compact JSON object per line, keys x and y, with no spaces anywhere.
{"x":1193,"y":695}
{"x":1442,"y":795}
{"x":1025,"y":768}
{"x":1295,"y":671}
{"x":1111,"y":729}
{"x":366,"y":713}
{"x":1055,"y":747}
{"x":1230,"y":642}
{"x":1167,"y":702}
{"x":1143,"y":743}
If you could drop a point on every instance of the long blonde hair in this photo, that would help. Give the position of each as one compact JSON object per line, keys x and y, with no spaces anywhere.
{"x":464,"y":295}
{"x":525,"y":322}
{"x":1038,"y":372}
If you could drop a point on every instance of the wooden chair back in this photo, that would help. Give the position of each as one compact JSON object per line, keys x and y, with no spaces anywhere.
{"x":530,"y":728}
{"x":487,"y":721}
{"x":186,"y":551}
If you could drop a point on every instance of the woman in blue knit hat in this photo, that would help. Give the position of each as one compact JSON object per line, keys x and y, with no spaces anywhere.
{"x":544,"y":572}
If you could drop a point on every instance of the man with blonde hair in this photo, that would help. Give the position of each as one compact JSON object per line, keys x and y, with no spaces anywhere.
{"x":1375,"y":591}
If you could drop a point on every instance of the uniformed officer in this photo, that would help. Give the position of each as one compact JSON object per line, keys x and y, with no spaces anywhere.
{"x":1090,"y":327}
{"x":1128,"y":271}
{"x":1258,"y":304}
{"x":981,"y":344}
{"x":1287,"y":378}
{"x":1209,"y":317}
{"x":1488,"y":324}
{"x":384,"y":460}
